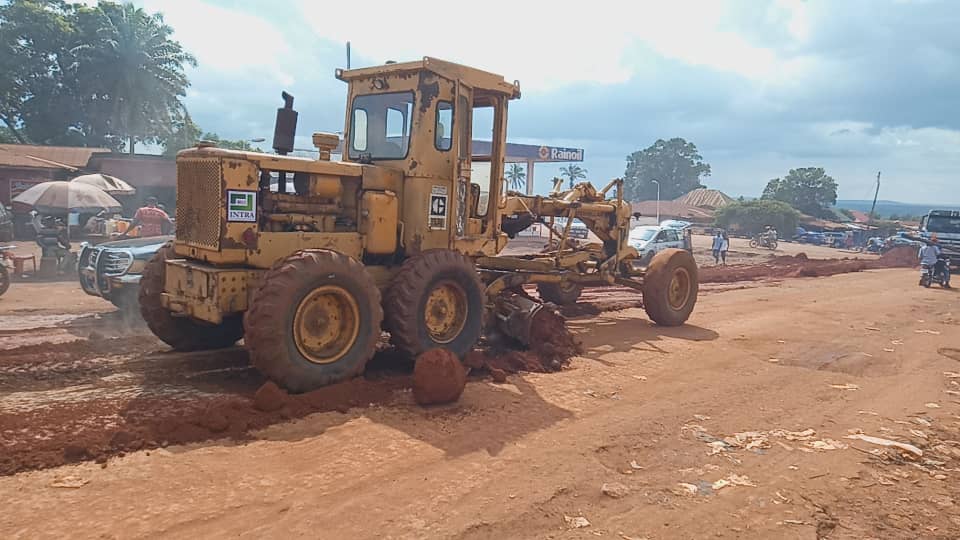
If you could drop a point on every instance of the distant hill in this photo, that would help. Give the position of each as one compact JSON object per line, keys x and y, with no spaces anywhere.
{"x":889,"y":208}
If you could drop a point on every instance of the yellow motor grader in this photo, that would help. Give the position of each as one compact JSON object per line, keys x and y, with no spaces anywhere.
{"x":308,"y":260}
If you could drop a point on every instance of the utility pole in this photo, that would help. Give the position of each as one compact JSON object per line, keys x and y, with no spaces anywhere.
{"x":875,"y":194}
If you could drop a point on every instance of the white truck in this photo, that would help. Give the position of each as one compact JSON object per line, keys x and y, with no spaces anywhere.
{"x":946,"y":225}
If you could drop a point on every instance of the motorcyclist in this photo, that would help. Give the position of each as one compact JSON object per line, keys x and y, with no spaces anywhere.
{"x":929,"y":256}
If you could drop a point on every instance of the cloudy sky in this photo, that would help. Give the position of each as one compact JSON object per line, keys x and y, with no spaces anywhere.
{"x":760,"y":86}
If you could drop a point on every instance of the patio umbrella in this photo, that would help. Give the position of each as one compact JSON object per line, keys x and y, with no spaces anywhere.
{"x":109,"y":184}
{"x":66,"y":197}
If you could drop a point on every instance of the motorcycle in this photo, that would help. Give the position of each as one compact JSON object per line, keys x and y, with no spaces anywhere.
{"x":761,"y":240}
{"x":935,"y":273}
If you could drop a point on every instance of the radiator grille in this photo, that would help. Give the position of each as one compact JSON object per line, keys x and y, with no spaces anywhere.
{"x":199,"y":202}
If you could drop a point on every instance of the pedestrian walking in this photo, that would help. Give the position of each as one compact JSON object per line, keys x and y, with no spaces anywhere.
{"x":724,"y":246}
{"x":717,"y":242}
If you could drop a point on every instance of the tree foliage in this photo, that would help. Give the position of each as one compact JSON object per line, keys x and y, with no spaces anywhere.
{"x":107,"y":75}
{"x":676,"y":164}
{"x":573,"y":173}
{"x":516,"y":177}
{"x":809,"y":190}
{"x":751,"y":216}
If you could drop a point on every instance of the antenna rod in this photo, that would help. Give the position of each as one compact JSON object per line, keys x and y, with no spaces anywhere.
{"x":875,"y":194}
{"x":348,"y":55}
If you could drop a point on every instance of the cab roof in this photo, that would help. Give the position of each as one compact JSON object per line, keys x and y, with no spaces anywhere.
{"x":476,"y":78}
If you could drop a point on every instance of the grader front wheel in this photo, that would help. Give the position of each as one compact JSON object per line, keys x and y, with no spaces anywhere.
{"x":181,"y":333}
{"x":314,"y":321}
{"x":670,"y":287}
{"x":435,"y":300}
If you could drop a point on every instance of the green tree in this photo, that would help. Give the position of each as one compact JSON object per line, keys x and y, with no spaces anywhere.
{"x":239,"y":144}
{"x":184,"y":135}
{"x":107,"y":75}
{"x":516,"y":177}
{"x":573,"y":173}
{"x":7,"y":136}
{"x":751,"y":216}
{"x":676,"y":164}
{"x":35,"y":60}
{"x":809,"y":190}
{"x":135,"y":69}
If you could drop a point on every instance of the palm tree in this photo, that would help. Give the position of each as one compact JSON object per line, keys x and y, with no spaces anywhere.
{"x":573,"y":173}
{"x":516,"y":177}
{"x":136,"y":68}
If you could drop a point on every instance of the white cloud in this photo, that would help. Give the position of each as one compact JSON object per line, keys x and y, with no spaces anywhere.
{"x":224,"y":40}
{"x":548,"y":44}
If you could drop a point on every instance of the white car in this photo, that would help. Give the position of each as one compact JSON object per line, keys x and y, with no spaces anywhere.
{"x":650,"y":239}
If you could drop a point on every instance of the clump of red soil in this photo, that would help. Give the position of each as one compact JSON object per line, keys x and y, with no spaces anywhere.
{"x":269,"y":397}
{"x":438,"y":377}
{"x":551,"y":340}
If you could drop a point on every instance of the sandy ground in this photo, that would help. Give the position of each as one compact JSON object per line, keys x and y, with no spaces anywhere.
{"x":734,"y":426}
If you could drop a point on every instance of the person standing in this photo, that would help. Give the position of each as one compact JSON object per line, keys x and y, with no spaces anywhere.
{"x":717,"y":242}
{"x":724,"y":246}
{"x":152,"y":220}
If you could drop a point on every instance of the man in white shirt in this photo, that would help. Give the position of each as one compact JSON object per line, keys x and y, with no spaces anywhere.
{"x":928,"y":257}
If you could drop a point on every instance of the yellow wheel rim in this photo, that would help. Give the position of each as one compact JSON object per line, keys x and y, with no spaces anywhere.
{"x":326,"y":324}
{"x":445,"y":312}
{"x":679,"y":291}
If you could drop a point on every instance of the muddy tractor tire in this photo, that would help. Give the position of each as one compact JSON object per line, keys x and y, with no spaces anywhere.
{"x":435,"y":300}
{"x":564,"y":294}
{"x":670,"y":287}
{"x":181,"y":333}
{"x":314,"y":321}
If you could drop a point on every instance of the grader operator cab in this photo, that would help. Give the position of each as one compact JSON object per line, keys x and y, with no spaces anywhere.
{"x":307,"y":260}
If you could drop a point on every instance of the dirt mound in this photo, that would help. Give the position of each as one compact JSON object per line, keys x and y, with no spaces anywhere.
{"x":900,"y":256}
{"x":787,"y":267}
{"x":551,"y":340}
{"x":100,"y":429}
{"x":552,"y":346}
{"x":438,"y":377}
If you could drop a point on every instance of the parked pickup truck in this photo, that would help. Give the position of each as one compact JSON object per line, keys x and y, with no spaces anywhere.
{"x":111,"y":270}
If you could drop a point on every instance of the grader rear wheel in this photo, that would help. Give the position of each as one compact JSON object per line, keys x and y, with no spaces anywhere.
{"x":562,"y":294}
{"x":670,"y":287}
{"x":314,"y":321}
{"x":435,"y":300}
{"x":181,"y":333}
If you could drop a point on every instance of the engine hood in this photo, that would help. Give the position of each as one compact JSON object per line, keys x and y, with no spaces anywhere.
{"x":138,"y":245}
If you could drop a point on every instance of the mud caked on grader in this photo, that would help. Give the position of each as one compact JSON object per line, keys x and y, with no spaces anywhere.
{"x":308,"y":260}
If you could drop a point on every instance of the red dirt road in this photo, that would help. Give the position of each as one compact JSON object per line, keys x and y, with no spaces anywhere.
{"x":793,"y":367}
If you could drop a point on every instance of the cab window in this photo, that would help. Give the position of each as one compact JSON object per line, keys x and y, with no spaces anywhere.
{"x":443,"y":130}
{"x":380,"y":126}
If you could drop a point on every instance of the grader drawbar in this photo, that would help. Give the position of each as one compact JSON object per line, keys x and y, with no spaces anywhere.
{"x":309,"y":260}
